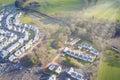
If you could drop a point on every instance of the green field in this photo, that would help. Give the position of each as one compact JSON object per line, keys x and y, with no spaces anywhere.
{"x":7,"y":1}
{"x":25,"y":19}
{"x":105,"y":9}
{"x":109,"y":72}
{"x":110,"y":68}
{"x":52,"y":6}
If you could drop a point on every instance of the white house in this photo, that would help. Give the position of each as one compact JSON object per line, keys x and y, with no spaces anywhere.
{"x":26,"y":37}
{"x":13,"y":46}
{"x":51,"y":67}
{"x":55,"y":68}
{"x":21,"y":41}
{"x":4,"y":53}
{"x":1,"y":16}
{"x":17,"y":53}
{"x":58,"y":69}
{"x":12,"y":58}
{"x":52,"y":77}
{"x":75,"y":75}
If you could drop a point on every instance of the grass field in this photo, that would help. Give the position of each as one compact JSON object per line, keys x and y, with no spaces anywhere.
{"x":25,"y":19}
{"x":105,"y":9}
{"x":1,"y":7}
{"x":52,"y":6}
{"x":110,"y":68}
{"x":7,"y":1}
{"x":109,"y":72}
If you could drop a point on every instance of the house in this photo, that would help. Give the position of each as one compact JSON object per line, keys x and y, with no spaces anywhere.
{"x":27,"y":45}
{"x":16,"y":20}
{"x":2,"y":31}
{"x":21,"y":41}
{"x":70,"y":70}
{"x":78,"y":55}
{"x":87,"y":46}
{"x":17,"y":53}
{"x":23,"y":49}
{"x":0,"y":24}
{"x":2,"y":44}
{"x":67,"y":79}
{"x":52,"y":77}
{"x":94,"y":51}
{"x":1,"y":16}
{"x":75,"y":75}
{"x":13,"y":46}
{"x":79,"y":77}
{"x":65,"y":49}
{"x":7,"y":34}
{"x":26,"y":37}
{"x":80,"y":46}
{"x":4,"y":53}
{"x":12,"y":58}
{"x":51,"y":67}
{"x":8,"y":21}
{"x":58,"y":69}
{"x":1,"y":38}
{"x":72,"y":41}
{"x":55,"y":68}
{"x":37,"y":35}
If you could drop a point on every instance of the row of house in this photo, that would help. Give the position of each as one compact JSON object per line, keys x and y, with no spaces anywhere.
{"x":17,"y":53}
{"x":18,"y":29}
{"x":6,"y":39}
{"x":88,"y":47}
{"x":54,"y":68}
{"x":1,"y":16}
{"x":75,"y":75}
{"x":36,"y":32}
{"x":7,"y":23}
{"x":81,"y":56}
{"x":5,"y":52}
{"x":16,"y":20}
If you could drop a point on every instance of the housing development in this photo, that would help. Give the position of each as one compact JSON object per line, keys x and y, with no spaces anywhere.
{"x":15,"y":36}
{"x":59,"y":39}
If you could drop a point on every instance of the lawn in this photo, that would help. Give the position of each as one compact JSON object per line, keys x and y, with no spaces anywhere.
{"x":106,"y":9}
{"x":7,"y":1}
{"x":110,"y":67}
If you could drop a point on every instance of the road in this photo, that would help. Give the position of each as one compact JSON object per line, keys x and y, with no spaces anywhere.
{"x":54,"y":59}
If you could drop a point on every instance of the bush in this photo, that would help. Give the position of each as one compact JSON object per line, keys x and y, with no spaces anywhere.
{"x":29,"y":61}
{"x":69,"y":61}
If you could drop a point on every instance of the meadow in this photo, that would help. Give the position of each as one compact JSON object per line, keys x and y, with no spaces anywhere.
{"x":107,"y":72}
{"x":104,"y":9}
{"x":25,"y":19}
{"x":7,"y":1}
{"x":110,"y":67}
{"x":54,"y":6}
